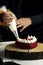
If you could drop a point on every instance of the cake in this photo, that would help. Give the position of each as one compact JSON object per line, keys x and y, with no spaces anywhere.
{"x":23,"y":49}
{"x":28,"y":43}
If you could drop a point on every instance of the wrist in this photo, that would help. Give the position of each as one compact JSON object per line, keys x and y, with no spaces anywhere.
{"x":30,"y":21}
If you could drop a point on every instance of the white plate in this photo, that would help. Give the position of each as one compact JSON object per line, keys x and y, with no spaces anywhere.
{"x":2,"y":47}
{"x":22,"y":62}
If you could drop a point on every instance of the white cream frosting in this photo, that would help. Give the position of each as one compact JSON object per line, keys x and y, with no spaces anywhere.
{"x":29,"y":40}
{"x":3,"y":8}
{"x":13,"y":28}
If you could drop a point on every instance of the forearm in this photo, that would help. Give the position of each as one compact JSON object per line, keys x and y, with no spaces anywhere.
{"x":37,"y":19}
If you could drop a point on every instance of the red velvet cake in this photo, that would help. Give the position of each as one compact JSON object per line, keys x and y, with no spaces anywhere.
{"x":29,"y":43}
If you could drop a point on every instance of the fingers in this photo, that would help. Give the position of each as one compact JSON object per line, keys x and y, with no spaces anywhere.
{"x":18,"y":26}
{"x":17,"y":23}
{"x":8,"y":17}
{"x":9,"y":14}
{"x":22,"y":29}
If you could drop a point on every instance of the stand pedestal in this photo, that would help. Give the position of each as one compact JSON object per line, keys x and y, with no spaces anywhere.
{"x":13,"y":52}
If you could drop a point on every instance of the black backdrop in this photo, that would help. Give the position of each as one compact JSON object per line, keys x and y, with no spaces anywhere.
{"x":21,"y":8}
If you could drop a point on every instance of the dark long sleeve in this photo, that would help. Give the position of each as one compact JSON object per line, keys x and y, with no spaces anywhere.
{"x":37,"y":19}
{"x":1,"y":62}
{"x":15,"y":7}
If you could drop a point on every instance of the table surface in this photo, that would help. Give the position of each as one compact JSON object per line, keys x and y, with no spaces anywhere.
{"x":22,"y":62}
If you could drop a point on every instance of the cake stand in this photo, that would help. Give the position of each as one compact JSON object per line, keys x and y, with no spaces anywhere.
{"x":13,"y":52}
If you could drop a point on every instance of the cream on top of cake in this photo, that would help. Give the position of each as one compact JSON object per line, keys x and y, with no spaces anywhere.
{"x":29,"y":40}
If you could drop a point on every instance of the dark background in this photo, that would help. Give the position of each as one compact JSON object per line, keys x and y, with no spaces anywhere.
{"x":21,"y":8}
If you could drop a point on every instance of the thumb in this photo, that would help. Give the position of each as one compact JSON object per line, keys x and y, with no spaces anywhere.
{"x":22,"y":29}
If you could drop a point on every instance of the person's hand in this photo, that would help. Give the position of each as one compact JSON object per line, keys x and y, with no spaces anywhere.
{"x":23,"y":22}
{"x":8,"y":17}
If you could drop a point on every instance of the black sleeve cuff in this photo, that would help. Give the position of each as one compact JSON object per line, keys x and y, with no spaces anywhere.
{"x":36,"y":19}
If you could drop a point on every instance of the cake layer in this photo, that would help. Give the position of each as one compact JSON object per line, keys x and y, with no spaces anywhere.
{"x":26,"y":45}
